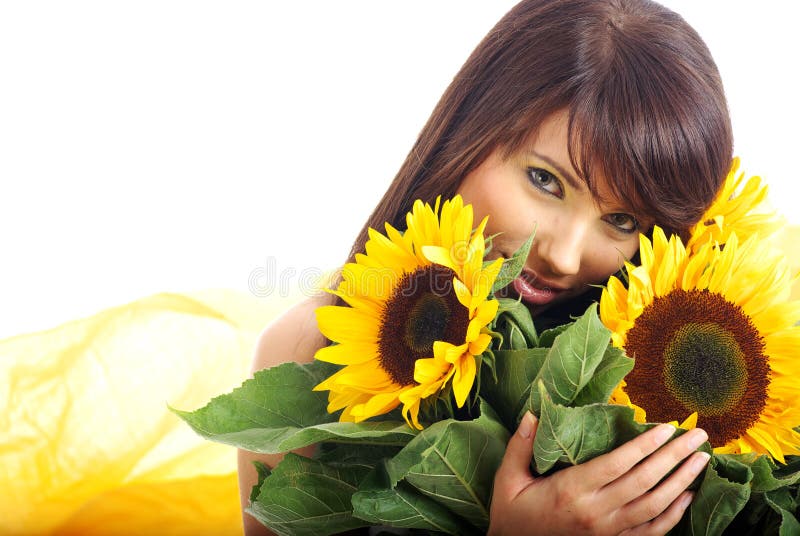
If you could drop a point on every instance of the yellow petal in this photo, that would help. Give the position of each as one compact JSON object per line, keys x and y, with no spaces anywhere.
{"x":454,"y":353}
{"x":609,"y":309}
{"x":767,"y":443}
{"x":347,"y":354}
{"x":439,"y":255}
{"x":387,"y":252}
{"x":411,"y":414}
{"x":358,"y":301}
{"x":778,"y":317}
{"x":486,"y":312}
{"x":646,"y":254}
{"x":483,"y":280}
{"x":378,"y":405}
{"x":479,"y":345}
{"x":428,"y":370}
{"x":463,"y":379}
{"x":462,"y":292}
{"x":690,"y":422}
{"x":344,"y":324}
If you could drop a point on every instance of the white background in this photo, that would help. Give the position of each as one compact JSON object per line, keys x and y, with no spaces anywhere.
{"x":155,"y":146}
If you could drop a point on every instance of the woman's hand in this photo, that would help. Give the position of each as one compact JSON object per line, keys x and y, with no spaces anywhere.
{"x":611,"y":494}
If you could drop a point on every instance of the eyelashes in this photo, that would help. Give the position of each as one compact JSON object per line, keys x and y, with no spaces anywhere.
{"x":546,"y":181}
{"x":543,"y":180}
{"x":623,"y":222}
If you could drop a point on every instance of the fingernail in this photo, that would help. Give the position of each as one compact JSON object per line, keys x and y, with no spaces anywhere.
{"x":526,"y":425}
{"x":697,"y":437}
{"x":664,"y":432}
{"x":686,"y":500}
{"x":700,"y":461}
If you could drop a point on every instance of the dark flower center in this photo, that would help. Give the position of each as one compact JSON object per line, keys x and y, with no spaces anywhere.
{"x":696,"y":351}
{"x":422,"y":309}
{"x":705,"y":369}
{"x":426,"y":323}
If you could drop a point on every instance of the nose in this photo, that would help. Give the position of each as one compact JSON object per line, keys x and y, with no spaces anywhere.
{"x":561,"y":245}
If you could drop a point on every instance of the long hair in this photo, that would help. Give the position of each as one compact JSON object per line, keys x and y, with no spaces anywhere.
{"x":645,"y":100}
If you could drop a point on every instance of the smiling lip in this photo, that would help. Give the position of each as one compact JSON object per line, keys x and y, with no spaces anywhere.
{"x":535,"y":290}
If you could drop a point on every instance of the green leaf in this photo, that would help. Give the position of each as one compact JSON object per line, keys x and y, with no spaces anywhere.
{"x":277,"y":411}
{"x":717,"y":501}
{"x":515,"y":371}
{"x":572,"y":360}
{"x":548,"y":336}
{"x":732,"y":467}
{"x":611,"y":370}
{"x":391,"y":433}
{"x":765,"y":475}
{"x":354,"y":453}
{"x":791,"y":467}
{"x":304,"y":496}
{"x":761,"y":475}
{"x":453,"y":463}
{"x":263,"y":471}
{"x":783,"y":503}
{"x":513,"y":267}
{"x":402,"y":506}
{"x":515,"y":325}
{"x":789,"y":524}
{"x":755,"y":519}
{"x":569,"y":436}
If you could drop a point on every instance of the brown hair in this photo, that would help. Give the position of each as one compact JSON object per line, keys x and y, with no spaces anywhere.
{"x":645,"y":100}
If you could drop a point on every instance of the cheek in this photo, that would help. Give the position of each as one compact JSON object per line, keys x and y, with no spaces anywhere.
{"x":607,"y":258}
{"x":510,"y":221}
{"x":493,"y":193}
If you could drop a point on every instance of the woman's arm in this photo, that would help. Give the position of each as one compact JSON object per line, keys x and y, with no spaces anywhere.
{"x":292,"y":337}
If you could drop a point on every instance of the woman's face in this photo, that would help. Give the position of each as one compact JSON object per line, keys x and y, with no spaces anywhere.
{"x":580,"y":240}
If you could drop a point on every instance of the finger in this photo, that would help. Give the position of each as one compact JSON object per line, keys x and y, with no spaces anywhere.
{"x":653,"y":504}
{"x":610,"y":466}
{"x":653,"y":469}
{"x":514,"y":473}
{"x":666,"y":521}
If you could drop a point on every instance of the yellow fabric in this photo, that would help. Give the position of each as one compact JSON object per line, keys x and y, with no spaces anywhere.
{"x":196,"y":506}
{"x":87,"y":444}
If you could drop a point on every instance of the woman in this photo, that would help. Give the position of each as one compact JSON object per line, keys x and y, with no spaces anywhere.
{"x":592,"y":121}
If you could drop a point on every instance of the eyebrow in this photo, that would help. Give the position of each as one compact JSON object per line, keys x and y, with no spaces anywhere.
{"x":561,"y":171}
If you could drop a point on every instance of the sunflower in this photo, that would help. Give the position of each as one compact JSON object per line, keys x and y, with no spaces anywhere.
{"x":737,"y":209}
{"x":416,"y":322}
{"x":714,"y":340}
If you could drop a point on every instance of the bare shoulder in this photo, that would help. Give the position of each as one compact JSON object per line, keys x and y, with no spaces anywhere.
{"x":294,"y":336}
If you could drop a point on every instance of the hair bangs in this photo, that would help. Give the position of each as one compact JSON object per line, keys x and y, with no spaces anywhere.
{"x":651,"y":144}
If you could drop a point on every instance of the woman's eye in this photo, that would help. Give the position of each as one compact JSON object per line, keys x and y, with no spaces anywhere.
{"x":624,"y":222}
{"x":544,"y":180}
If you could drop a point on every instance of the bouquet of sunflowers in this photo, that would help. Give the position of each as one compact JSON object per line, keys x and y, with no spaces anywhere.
{"x":430,"y":371}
